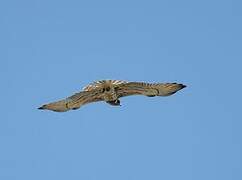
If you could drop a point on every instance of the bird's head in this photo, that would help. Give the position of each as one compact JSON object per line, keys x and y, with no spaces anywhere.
{"x":114,"y":103}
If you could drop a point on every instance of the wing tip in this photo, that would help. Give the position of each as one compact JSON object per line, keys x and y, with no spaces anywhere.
{"x":42,"y":107}
{"x":54,"y":107}
{"x":176,"y":87}
{"x":182,"y":86}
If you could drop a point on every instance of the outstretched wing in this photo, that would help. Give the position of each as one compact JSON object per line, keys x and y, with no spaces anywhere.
{"x":75,"y":101}
{"x":147,"y":89}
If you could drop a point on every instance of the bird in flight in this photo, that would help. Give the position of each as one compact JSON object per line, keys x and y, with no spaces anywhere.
{"x":110,"y":91}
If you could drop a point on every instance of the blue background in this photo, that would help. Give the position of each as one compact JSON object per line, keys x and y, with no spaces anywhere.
{"x":51,"y":49}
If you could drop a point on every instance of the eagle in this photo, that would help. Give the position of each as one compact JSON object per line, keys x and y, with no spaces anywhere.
{"x":111,"y":91}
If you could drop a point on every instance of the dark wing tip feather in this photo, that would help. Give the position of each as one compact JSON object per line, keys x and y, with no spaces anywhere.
{"x":42,"y":108}
{"x":182,"y":86}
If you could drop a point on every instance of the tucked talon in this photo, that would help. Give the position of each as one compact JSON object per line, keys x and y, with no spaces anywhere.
{"x":114,"y":103}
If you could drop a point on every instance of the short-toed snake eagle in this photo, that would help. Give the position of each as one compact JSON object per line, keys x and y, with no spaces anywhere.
{"x":110,"y":91}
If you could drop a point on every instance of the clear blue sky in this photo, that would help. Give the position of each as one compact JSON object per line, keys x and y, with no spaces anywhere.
{"x":51,"y":49}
